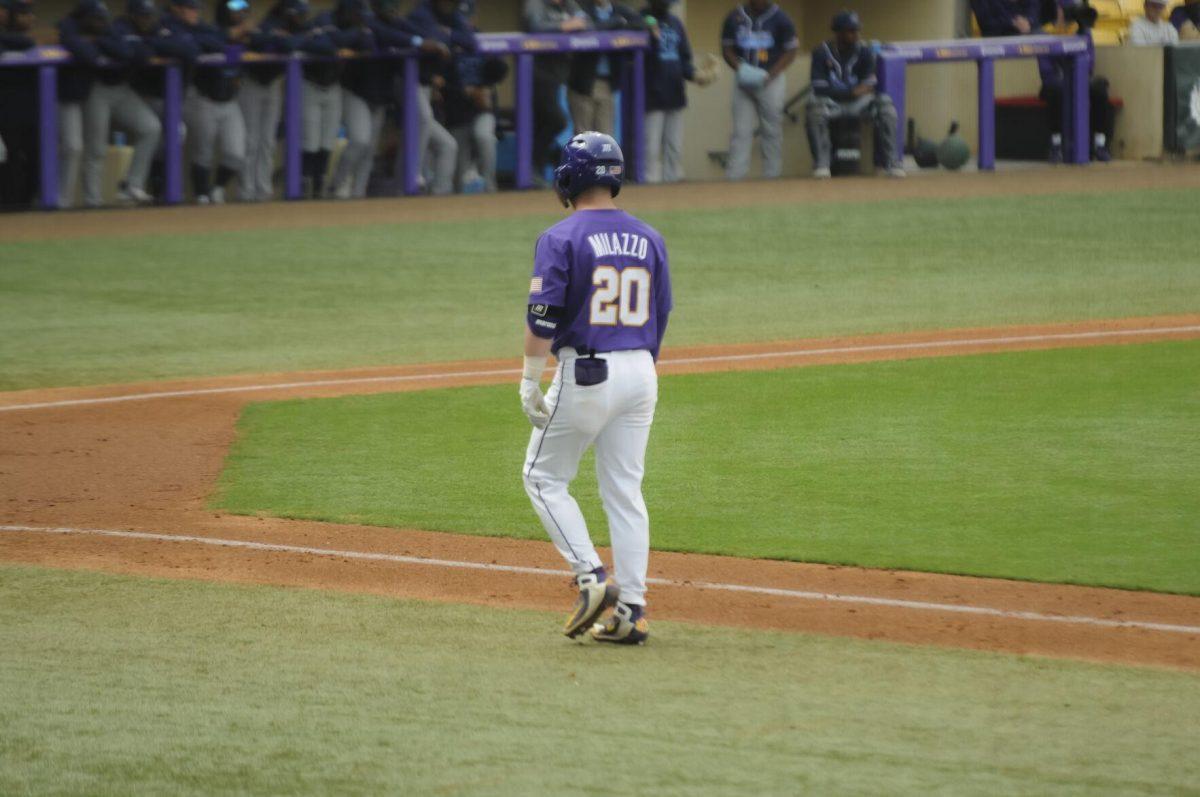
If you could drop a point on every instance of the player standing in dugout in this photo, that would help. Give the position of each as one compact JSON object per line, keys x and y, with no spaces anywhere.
{"x":599,"y":300}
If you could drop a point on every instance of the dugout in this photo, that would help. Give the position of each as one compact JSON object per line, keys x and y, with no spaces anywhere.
{"x":936,"y":94}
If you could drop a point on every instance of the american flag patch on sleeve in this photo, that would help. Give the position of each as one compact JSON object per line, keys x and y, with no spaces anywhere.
{"x":535,"y":285}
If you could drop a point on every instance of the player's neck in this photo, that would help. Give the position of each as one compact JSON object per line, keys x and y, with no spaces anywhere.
{"x":595,"y":200}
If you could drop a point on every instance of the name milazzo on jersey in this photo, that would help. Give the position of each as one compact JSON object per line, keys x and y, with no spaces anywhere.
{"x":607,"y":244}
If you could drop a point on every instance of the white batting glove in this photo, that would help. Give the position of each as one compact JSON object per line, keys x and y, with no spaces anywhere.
{"x":532,"y":401}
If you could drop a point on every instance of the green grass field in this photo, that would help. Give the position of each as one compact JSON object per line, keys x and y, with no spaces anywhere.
{"x":116,"y":310}
{"x":1076,"y":465}
{"x":118,"y":685}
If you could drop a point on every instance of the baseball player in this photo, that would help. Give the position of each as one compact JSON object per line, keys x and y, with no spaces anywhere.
{"x":439,"y":20}
{"x":599,"y":300}
{"x":843,"y":85}
{"x":367,"y":88}
{"x":321,"y":103}
{"x":759,"y":43}
{"x":18,"y":98}
{"x":668,"y":66}
{"x":98,"y":96}
{"x":261,"y":96}
{"x":212,"y":110}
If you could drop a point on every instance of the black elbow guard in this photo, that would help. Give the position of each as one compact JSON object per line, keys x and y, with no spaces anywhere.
{"x":543,"y":319}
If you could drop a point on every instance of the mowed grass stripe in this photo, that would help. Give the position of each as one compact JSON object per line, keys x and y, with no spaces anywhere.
{"x":1073,"y":466}
{"x":121,"y":310}
{"x":122,"y":685}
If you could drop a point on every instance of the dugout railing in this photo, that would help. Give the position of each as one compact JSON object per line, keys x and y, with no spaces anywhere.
{"x":895,"y":58}
{"x":523,"y":48}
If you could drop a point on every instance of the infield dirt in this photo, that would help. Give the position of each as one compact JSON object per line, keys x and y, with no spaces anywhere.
{"x":122,"y":459}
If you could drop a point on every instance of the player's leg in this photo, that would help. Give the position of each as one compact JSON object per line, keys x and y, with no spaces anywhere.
{"x":362,"y":176}
{"x":603,"y":108}
{"x":444,"y":152}
{"x":882,"y":113}
{"x":484,"y":135}
{"x":70,"y":155}
{"x":653,"y":147}
{"x":132,"y":114}
{"x":620,"y":465}
{"x":97,"y":117}
{"x":745,"y":119}
{"x":265,"y":170}
{"x":201,"y":117}
{"x":250,"y":99}
{"x":356,"y":118}
{"x":770,"y":111}
{"x":232,"y":137}
{"x":1101,"y":118}
{"x":581,"y":108}
{"x":331,"y":120}
{"x":310,"y":121}
{"x":551,"y":462}
{"x":672,"y":145}
{"x":1052,"y":95}
{"x":462,"y":165}
{"x":818,"y":114}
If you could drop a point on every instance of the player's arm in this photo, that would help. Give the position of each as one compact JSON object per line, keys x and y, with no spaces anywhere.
{"x":547,"y":296}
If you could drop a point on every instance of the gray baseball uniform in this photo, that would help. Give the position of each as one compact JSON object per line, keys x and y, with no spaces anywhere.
{"x":760,"y":41}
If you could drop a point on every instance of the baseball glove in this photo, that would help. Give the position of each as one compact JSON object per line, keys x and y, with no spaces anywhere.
{"x":706,"y":71}
{"x":750,"y":78}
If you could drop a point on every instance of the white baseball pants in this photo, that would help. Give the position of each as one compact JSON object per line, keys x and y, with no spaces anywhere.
{"x":364,"y":126}
{"x":615,"y":415}
{"x":262,"y":105}
{"x":760,"y":109}
{"x":664,"y":146}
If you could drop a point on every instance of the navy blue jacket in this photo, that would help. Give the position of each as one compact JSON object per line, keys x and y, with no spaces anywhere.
{"x":835,"y":74}
{"x":668,"y":65}
{"x":75,"y":81}
{"x":1186,"y":13}
{"x":759,"y":40}
{"x":582,"y":77}
{"x":372,"y":78}
{"x":995,"y":16}
{"x":14,"y":42}
{"x":171,"y":38}
{"x":273,"y":37}
{"x":454,"y":31}
{"x":325,"y":29}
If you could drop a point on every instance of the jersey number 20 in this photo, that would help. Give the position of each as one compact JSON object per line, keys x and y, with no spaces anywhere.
{"x":621,"y":297}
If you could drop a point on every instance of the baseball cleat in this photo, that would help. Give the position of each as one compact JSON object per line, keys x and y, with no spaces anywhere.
{"x":130,"y":195}
{"x":822,"y":173}
{"x":596,"y":593}
{"x":625,"y":626}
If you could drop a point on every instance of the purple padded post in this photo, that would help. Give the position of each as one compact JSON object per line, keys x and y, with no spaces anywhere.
{"x":637,"y":118}
{"x":292,"y":134}
{"x":412,"y":126}
{"x":172,"y":140}
{"x":987,"y":114}
{"x":1080,"y":109}
{"x":524,"y":103}
{"x":48,"y":125}
{"x":891,"y":75}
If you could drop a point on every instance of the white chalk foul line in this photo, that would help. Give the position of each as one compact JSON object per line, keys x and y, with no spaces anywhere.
{"x":830,"y":597}
{"x":715,"y":358}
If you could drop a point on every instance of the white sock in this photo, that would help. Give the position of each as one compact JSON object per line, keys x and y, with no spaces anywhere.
{"x":1056,"y":139}
{"x":1099,"y":139}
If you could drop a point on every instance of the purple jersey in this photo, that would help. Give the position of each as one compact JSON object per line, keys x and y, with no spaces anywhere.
{"x":607,"y":272}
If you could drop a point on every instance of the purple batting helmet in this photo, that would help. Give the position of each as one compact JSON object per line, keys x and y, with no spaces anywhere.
{"x":589,"y":159}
